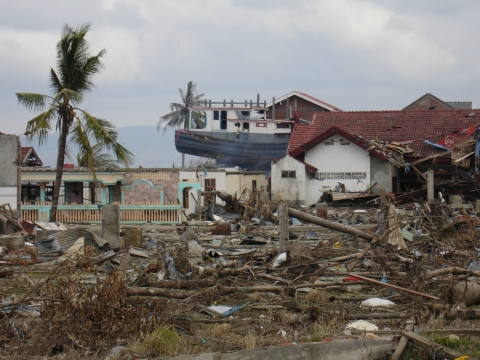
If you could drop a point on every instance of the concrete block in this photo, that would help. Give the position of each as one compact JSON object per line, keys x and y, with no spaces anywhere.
{"x":455,"y":200}
{"x":111,"y":225}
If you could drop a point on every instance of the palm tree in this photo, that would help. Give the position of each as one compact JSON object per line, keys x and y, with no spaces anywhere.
{"x":100,"y":160}
{"x":73,"y":79}
{"x":179,"y":112}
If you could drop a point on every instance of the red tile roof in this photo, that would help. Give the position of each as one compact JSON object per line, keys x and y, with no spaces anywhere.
{"x":388,"y":126}
{"x":26,"y":151}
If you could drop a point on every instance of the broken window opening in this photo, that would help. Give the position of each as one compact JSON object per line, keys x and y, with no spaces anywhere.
{"x":210,"y":186}
{"x":289,"y":174}
{"x":254,"y":184}
{"x":198,"y":120}
{"x":223,"y":120}
{"x":186,"y":203}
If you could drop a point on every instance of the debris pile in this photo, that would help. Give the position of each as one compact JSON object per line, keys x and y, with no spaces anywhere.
{"x":396,"y":272}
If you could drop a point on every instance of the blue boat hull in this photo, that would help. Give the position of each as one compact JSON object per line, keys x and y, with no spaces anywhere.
{"x":241,"y":151}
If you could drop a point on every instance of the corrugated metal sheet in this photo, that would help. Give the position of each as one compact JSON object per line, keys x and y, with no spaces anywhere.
{"x":62,"y":240}
{"x":189,"y":235}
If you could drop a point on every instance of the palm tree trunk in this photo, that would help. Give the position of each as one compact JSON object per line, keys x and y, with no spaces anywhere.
{"x":186,"y":127}
{"x":62,"y":144}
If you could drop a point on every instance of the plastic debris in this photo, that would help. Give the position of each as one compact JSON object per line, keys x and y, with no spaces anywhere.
{"x":377,"y":302}
{"x":362,"y":325}
{"x":280,"y":260}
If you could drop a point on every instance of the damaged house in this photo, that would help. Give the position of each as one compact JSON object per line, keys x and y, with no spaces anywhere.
{"x":358,"y":151}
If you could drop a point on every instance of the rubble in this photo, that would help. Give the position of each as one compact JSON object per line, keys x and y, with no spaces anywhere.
{"x":399,"y":267}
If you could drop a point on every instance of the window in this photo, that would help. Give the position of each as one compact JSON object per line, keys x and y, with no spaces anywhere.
{"x":186,"y":194}
{"x":210,"y":186}
{"x":259,"y":124}
{"x":254,"y":184}
{"x":198,"y":120}
{"x":222,"y":116}
{"x":289,"y":174}
{"x":340,"y":175}
{"x":246,"y":126}
{"x":283,"y":125}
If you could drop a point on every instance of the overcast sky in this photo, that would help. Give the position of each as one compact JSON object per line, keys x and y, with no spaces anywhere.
{"x":354,"y":54}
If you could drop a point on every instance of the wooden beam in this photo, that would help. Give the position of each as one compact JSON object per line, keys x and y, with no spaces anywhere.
{"x":402,"y":344}
{"x":395,"y":287}
{"x":430,"y":157}
{"x":430,"y":345}
{"x":330,"y":224}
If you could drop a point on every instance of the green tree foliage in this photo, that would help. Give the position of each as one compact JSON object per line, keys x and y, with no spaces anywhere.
{"x":69,"y":84}
{"x":179,"y":111}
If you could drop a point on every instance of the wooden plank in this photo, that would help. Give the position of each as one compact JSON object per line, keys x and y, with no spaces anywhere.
{"x":430,"y":345}
{"x":395,"y":287}
{"x":402,"y":344}
{"x":430,"y":157}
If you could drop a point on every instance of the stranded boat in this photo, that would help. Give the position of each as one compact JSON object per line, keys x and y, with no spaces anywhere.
{"x":236,"y":135}
{"x":247,"y":135}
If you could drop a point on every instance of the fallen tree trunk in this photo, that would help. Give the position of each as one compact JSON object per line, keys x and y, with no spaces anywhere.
{"x":331,"y":225}
{"x":224,"y":290}
{"x":181,"y":284}
{"x":451,"y":270}
{"x":148,"y":291}
{"x":228,"y":271}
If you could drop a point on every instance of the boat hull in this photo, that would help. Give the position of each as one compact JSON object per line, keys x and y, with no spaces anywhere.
{"x":242,"y":152}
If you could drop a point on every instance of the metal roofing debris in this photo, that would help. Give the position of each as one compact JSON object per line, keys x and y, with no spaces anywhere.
{"x":189,"y":235}
{"x":62,"y":240}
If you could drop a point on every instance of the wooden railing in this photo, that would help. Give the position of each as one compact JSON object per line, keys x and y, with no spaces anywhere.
{"x":134,"y":214}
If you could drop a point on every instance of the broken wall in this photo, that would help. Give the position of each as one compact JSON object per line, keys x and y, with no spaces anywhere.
{"x":381,"y":172}
{"x":10,"y":170}
{"x":143,"y":193}
{"x":212,"y":176}
{"x":239,"y":181}
{"x":289,"y":189}
{"x":306,"y":109}
{"x":74,"y":192}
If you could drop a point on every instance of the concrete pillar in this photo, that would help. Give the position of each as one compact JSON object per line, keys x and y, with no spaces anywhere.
{"x":42,"y":192}
{"x":430,"y":186}
{"x":111,"y":225}
{"x":104,"y":194}
{"x":283,"y":225}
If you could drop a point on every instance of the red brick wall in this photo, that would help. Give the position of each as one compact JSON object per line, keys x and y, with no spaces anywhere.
{"x":427,"y":102}
{"x":305,"y":108}
{"x":142,"y":192}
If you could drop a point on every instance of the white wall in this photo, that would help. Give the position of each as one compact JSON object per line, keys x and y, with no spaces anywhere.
{"x":337,"y":158}
{"x":220,"y":183}
{"x":239,"y":181}
{"x":288,"y":189}
{"x":8,"y":195}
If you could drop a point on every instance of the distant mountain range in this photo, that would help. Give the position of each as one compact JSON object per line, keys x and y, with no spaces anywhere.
{"x":150,"y":147}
